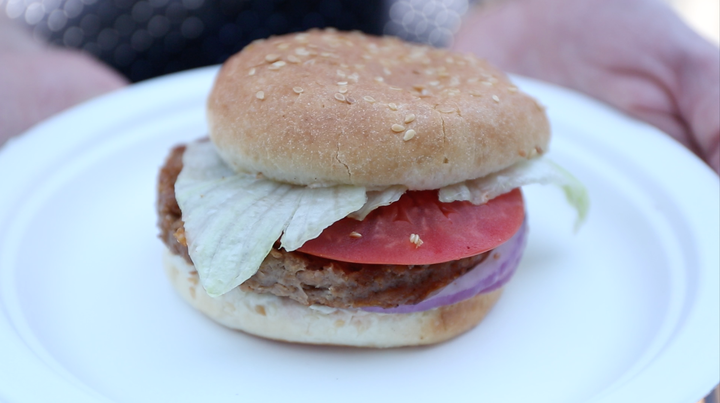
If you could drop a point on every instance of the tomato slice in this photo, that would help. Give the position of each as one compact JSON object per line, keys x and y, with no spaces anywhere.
{"x":448,"y":231}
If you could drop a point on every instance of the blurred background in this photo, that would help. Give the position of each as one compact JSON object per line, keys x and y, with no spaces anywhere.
{"x":146,"y":38}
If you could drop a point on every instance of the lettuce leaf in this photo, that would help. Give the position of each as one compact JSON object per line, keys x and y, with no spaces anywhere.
{"x":377,"y":199}
{"x":318,"y":209}
{"x":540,"y":170}
{"x":233,"y":219}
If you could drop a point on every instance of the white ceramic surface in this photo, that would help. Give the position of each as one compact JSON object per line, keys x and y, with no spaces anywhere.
{"x":626,"y":310}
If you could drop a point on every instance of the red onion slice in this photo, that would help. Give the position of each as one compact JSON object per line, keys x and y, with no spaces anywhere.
{"x":491,"y":274}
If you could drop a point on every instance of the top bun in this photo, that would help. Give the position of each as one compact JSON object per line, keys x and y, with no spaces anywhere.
{"x":325,"y":108}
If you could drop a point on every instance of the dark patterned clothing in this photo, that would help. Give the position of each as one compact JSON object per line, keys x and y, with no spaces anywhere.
{"x":144,"y":39}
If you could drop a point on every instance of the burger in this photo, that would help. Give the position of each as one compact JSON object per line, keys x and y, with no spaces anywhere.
{"x":355,"y":190}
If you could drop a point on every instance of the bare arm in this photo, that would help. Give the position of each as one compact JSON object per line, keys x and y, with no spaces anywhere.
{"x":38,"y":81}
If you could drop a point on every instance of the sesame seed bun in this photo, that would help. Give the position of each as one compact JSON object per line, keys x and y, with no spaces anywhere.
{"x":325,"y":108}
{"x":278,"y":318}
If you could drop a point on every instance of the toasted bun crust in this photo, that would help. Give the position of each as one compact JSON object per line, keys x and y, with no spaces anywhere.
{"x":345,"y":108}
{"x":282,"y":319}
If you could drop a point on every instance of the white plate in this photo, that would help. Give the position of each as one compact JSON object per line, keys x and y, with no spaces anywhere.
{"x":627,"y":310}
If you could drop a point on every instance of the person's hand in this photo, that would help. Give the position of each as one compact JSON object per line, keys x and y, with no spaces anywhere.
{"x":37,"y":81}
{"x":636,"y":55}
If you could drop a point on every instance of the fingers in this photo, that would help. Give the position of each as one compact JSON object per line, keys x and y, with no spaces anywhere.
{"x":699,"y":99}
{"x":641,"y":96}
{"x":496,"y":33}
{"x":669,"y":124}
{"x":636,"y":55}
{"x":714,"y":159}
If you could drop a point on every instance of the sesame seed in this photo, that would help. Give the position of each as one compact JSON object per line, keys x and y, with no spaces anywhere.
{"x":367,"y":57}
{"x":260,"y":95}
{"x":351,"y":100}
{"x":512,"y":89}
{"x":487,"y":83}
{"x":342,"y":83}
{"x":492,"y":79}
{"x":398,"y":128}
{"x":301,"y":52}
{"x":342,"y":90}
{"x":409,"y":118}
{"x":341,"y":73}
{"x":251,"y":72}
{"x":355,"y":235}
{"x":369,"y":99}
{"x":386,"y":71}
{"x":283,"y":45}
{"x":473,"y":80}
{"x":496,"y":98}
{"x":326,"y":54}
{"x":293,"y":59}
{"x":379,"y":79}
{"x":446,"y":109}
{"x":396,"y":88}
{"x":298,"y":89}
{"x":392,"y":106}
{"x":309,"y":62}
{"x":354,"y":77}
{"x":340,"y":97}
{"x":272,"y":58}
{"x":409,"y":134}
{"x":415,"y":239}
{"x":443,"y":74}
{"x":434,"y":83}
{"x":277,"y":65}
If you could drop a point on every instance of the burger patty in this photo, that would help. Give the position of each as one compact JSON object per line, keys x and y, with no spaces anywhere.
{"x":312,"y":280}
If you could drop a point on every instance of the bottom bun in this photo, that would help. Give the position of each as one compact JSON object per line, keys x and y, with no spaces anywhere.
{"x":279,"y":318}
